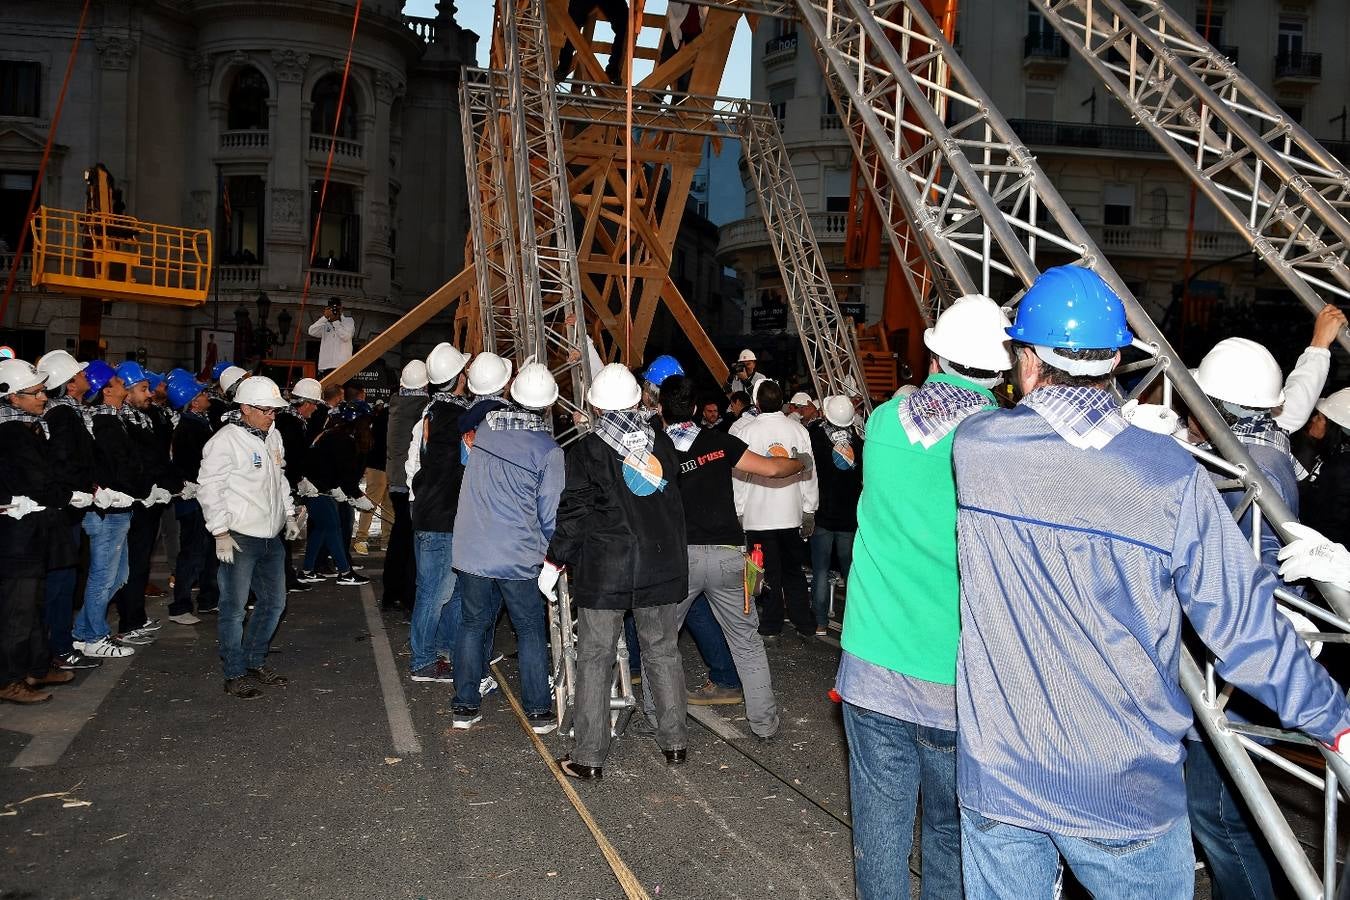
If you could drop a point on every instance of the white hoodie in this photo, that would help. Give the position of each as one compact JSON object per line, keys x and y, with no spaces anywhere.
{"x":772,"y":503}
{"x":242,"y":483}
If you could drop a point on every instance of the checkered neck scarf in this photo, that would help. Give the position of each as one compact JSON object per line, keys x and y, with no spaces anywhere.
{"x":683,"y":434}
{"x":1086,"y":417}
{"x":135,"y":417}
{"x":9,"y":413}
{"x":627,"y":432}
{"x":933,"y":411}
{"x":412,"y":392}
{"x":236,"y":417}
{"x":1262,"y":430}
{"x":457,"y":399}
{"x":99,"y":409}
{"x":515,"y":420}
{"x":67,"y":400}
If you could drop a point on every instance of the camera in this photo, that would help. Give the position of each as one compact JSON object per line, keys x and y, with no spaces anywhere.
{"x":738,"y":368}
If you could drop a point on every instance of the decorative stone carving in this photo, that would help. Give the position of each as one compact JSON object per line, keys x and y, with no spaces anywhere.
{"x":290,"y":65}
{"x":389,"y":86}
{"x":286,"y":206}
{"x":202,"y":66}
{"x":116,"y":50}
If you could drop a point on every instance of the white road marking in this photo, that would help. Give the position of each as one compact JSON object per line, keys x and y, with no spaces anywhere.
{"x":717,"y":724}
{"x":391,"y":681}
{"x":55,"y":724}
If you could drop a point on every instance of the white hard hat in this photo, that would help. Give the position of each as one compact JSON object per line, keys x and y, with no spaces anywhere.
{"x":1336,"y":407}
{"x":801,"y":398}
{"x":18,"y":375}
{"x":972,"y":332}
{"x":614,"y":388}
{"x":307,"y":389}
{"x":414,"y":375}
{"x":839,"y":411}
{"x":1242,"y":372}
{"x":444,"y":363}
{"x":534,"y":387}
{"x":59,"y":367}
{"x":488,"y":374}
{"x":747,"y":356}
{"x":230,"y":377}
{"x":259,"y":391}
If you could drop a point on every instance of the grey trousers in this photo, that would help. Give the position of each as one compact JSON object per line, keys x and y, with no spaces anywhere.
{"x":719,"y":572}
{"x":663,"y":675}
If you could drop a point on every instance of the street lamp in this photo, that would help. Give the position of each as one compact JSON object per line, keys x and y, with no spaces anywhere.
{"x":264,"y":338}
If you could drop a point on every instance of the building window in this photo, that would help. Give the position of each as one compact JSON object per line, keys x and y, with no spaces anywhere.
{"x":1214,"y":32}
{"x":20,"y":88}
{"x":241,"y":221}
{"x":779,"y":95}
{"x":1289,"y":44}
{"x":15,"y":189}
{"x":325,"y":102}
{"x":339,"y":245}
{"x":1118,"y":204}
{"x":837,"y":190}
{"x":247,"y":102}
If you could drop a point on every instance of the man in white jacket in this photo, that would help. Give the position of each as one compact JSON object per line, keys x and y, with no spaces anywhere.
{"x":778,"y":513}
{"x":246,"y":501}
{"x":334,"y":331}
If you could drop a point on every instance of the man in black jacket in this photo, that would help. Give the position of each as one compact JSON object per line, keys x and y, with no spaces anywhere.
{"x":292,"y":424}
{"x":33,"y":536}
{"x":835,"y":442}
{"x":71,"y":448}
{"x":405,"y":409}
{"x":621,"y":532}
{"x":196,"y":563}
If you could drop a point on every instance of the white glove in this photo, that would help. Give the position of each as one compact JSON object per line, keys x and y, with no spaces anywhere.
{"x":19,"y":507}
{"x":80,"y":499}
{"x":225,"y":547}
{"x":107,"y":498}
{"x":338,"y":495}
{"x":1304,"y":626}
{"x":156,"y":496}
{"x":306,"y":488}
{"x":1151,"y":417}
{"x":189,"y":490}
{"x":362,"y":503}
{"x":548,"y":580}
{"x":292,"y":529}
{"x":1313,"y":556}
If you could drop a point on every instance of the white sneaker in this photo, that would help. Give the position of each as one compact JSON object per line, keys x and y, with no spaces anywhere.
{"x":105,"y":648}
{"x":151,"y":625}
{"x":186,"y":618}
{"x":486,"y":686}
{"x":138,"y":636}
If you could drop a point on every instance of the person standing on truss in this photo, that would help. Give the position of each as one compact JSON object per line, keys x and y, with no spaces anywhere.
{"x":616,"y":13}
{"x":1081,"y":542}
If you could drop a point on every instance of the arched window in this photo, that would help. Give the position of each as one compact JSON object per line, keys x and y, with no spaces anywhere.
{"x":248,"y":101}
{"x":325,"y":101}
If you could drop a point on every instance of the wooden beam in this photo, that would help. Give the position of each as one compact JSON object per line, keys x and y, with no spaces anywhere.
{"x":457,"y":287}
{"x":693,"y":329}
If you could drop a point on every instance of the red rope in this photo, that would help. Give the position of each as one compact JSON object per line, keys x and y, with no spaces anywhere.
{"x":42,"y":166}
{"x":323,"y":192}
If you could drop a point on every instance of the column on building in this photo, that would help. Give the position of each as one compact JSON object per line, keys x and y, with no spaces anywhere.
{"x":288,"y":238}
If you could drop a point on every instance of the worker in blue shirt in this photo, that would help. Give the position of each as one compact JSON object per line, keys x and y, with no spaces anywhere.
{"x":1082,"y":540}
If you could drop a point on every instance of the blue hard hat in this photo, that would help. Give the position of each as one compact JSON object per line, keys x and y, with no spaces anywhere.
{"x":183,"y":389}
{"x":218,"y":368}
{"x":155,"y":379}
{"x":363,"y":408}
{"x":131,"y":372}
{"x":179,"y":373}
{"x":99,"y":374}
{"x":662,"y":368}
{"x":347,"y":412}
{"x":1072,"y":308}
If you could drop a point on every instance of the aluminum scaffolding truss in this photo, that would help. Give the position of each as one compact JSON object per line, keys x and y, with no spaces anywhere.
{"x":827,"y":338}
{"x":562,"y":629}
{"x":552,"y":314}
{"x":985,"y":208}
{"x":1267,"y":176}
{"x":490,"y":219}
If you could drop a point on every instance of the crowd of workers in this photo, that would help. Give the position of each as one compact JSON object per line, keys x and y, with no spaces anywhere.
{"x":1012,"y":632}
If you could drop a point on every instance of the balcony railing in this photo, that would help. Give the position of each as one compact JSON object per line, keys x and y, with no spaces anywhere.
{"x":1152,"y":241}
{"x":1299,"y":65}
{"x":24,"y":280}
{"x":318,"y":143}
{"x":239,"y":276}
{"x":423,"y":27}
{"x":830,"y":228}
{"x":779,"y":111}
{"x":337,"y":281}
{"x":831,"y":122}
{"x":1117,"y":138}
{"x":780,"y":48}
{"x":1040,"y":46}
{"x":244,"y":139}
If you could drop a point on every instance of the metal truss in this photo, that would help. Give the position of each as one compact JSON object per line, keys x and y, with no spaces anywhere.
{"x":491,"y":223}
{"x":1268,"y":177}
{"x":562,"y":626}
{"x":985,"y":208}
{"x":829,"y":342}
{"x":553,"y":317}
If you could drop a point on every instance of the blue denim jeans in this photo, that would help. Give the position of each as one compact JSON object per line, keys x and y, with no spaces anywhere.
{"x":824,"y":545}
{"x":1229,"y":839}
{"x":891,"y":764}
{"x":107,"y":571}
{"x":437,"y":610}
{"x":58,"y":604}
{"x":325,"y":534}
{"x":259,"y":565}
{"x":483,"y":599}
{"x":712,"y":644}
{"x":1005,"y":862}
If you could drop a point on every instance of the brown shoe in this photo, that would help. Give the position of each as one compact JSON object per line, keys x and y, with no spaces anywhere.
{"x":53,"y":676}
{"x":243,"y":688}
{"x":20,"y":692}
{"x":714,"y":695}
